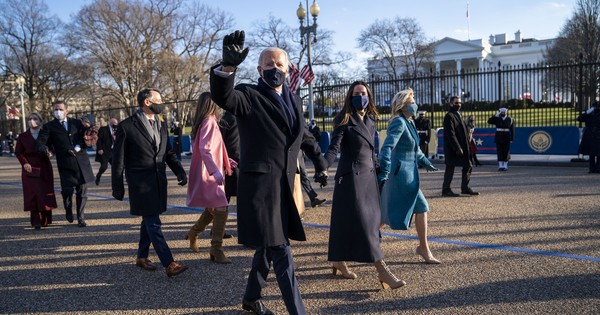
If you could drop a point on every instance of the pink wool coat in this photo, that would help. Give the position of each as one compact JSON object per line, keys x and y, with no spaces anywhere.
{"x":209,"y":156}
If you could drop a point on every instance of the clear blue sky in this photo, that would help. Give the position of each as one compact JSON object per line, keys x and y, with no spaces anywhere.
{"x":539,"y":19}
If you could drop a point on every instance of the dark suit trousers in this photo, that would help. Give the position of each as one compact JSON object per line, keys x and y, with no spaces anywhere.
{"x":283,"y":265}
{"x":80,"y":200}
{"x":151,"y":233}
{"x":466,"y":176}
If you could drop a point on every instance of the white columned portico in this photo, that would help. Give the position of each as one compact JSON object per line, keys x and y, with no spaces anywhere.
{"x":458,"y":82}
{"x":482,"y":92}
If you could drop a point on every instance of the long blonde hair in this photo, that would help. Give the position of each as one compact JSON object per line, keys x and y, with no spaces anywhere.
{"x":205,"y":108}
{"x":400,"y":100}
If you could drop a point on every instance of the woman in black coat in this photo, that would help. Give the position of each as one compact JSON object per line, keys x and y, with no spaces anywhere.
{"x":590,"y":141}
{"x":355,"y":213}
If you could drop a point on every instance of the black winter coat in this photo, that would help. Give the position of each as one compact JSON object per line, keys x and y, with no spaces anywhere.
{"x":73,"y":170}
{"x":590,"y":141}
{"x":355,"y":211}
{"x":145,"y":167}
{"x":105,"y":142}
{"x":267,"y":214}
{"x":456,"y":139}
{"x":231,"y":138}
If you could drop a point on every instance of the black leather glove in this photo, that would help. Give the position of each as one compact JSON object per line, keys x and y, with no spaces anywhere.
{"x":233,"y":49}
{"x":459,"y":152}
{"x":181,"y":179}
{"x":321,"y":178}
{"x":118,"y":194}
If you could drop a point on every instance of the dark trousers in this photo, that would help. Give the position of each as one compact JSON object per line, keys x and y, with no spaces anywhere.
{"x":305,"y":182}
{"x":80,"y":200}
{"x":283,"y":265}
{"x":466,"y":176}
{"x":151,"y":233}
{"x":41,"y":218}
{"x":103,"y":168}
{"x":594,"y":163}
{"x":503,"y":151}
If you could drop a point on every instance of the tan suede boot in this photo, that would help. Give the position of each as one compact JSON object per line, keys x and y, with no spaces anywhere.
{"x":216,"y":245}
{"x":197,"y":228}
{"x":387,"y":279}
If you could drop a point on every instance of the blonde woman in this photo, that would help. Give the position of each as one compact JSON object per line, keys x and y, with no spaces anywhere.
{"x":400,"y":158}
{"x":206,"y":188}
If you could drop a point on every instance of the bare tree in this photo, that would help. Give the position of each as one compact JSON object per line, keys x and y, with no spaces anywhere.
{"x":28,"y":45}
{"x":400,"y":44}
{"x":579,"y":41}
{"x":125,"y":38}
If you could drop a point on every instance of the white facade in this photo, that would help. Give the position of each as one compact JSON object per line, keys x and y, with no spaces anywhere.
{"x":454,"y":57}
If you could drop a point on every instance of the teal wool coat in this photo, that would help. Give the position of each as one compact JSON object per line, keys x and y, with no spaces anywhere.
{"x":400,"y":157}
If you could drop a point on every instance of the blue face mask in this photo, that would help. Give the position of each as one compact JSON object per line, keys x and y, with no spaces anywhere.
{"x":411,"y":109}
{"x":360,"y":102}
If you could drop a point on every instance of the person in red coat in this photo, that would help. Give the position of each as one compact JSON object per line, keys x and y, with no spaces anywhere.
{"x":36,"y":175}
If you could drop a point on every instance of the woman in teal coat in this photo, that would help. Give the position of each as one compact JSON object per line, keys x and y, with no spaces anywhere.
{"x":400,"y":158}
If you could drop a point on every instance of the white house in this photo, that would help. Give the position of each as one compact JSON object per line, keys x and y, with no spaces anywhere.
{"x":481,"y":57}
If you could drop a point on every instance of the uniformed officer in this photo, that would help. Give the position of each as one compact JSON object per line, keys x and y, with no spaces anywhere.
{"x":505,"y":134}
{"x":424,"y":130}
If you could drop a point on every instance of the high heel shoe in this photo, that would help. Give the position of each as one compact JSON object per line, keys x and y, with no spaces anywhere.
{"x":342,"y":268}
{"x":387,"y":279}
{"x":427,"y":256}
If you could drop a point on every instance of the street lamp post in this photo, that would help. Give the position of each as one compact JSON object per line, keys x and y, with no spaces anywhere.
{"x":21,"y":83}
{"x":308,"y":30}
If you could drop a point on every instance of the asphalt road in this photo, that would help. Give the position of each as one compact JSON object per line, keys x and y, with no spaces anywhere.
{"x":529,"y":244}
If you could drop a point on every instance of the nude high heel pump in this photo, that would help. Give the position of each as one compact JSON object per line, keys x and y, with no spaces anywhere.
{"x":427,"y":256}
{"x":387,"y":279}
{"x":340,"y":268}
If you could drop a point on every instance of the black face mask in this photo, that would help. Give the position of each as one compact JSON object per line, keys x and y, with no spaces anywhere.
{"x":273,"y":77}
{"x":157,"y":108}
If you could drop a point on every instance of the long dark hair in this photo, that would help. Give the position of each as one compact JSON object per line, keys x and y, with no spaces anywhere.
{"x":344,"y":115}
{"x":205,"y":108}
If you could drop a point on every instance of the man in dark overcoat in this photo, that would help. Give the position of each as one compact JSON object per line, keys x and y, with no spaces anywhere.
{"x":272,"y":131}
{"x":142,"y":151}
{"x":106,"y":138}
{"x":590,"y":141}
{"x":505,"y":134}
{"x":424,"y":130}
{"x":64,"y":136}
{"x":456,"y":149}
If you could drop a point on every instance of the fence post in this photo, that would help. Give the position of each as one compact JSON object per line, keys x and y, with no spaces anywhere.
{"x":580,"y":92}
{"x":499,"y":82}
{"x":431,"y":98}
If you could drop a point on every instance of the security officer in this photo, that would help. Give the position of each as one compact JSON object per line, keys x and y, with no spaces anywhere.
{"x":424,"y":130}
{"x":505,"y":134}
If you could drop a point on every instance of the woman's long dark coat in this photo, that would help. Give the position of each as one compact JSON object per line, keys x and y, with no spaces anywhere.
{"x":355,"y":213}
{"x":590,"y":141}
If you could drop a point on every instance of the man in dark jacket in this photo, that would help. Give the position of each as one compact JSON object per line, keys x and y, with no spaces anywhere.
{"x":505,"y":134}
{"x":424,"y":129}
{"x":65,"y":137}
{"x":456,"y":149}
{"x":142,"y":151}
{"x":590,"y":141}
{"x":106,"y":139}
{"x":271,"y":132}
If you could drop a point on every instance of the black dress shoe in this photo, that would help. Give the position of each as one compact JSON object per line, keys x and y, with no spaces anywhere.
{"x":97,"y":180}
{"x":70,"y":218}
{"x":469,"y":192}
{"x":256,"y":307}
{"x":449,"y":193}
{"x":316,"y":202}
{"x":81,"y":223}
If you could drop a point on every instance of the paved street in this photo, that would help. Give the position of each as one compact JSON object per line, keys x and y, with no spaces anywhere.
{"x":530,"y":244}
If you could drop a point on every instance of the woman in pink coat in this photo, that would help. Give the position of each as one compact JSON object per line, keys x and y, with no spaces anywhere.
{"x":206,"y":177}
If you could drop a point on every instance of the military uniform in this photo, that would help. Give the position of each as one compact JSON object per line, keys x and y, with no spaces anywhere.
{"x":424,"y":130}
{"x":505,"y":134}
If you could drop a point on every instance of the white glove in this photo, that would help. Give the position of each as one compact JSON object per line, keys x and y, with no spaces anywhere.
{"x":591,"y":110}
{"x":77,"y":148}
{"x":498,"y":114}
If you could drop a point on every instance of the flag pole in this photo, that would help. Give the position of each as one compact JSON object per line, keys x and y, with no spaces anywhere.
{"x":468,"y":23}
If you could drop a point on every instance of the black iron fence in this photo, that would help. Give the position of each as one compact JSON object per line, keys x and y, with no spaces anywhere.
{"x":536,"y":95}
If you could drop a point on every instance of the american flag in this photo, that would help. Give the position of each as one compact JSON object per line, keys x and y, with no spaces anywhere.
{"x":294,"y":78}
{"x":13,"y":113}
{"x":307,"y":75}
